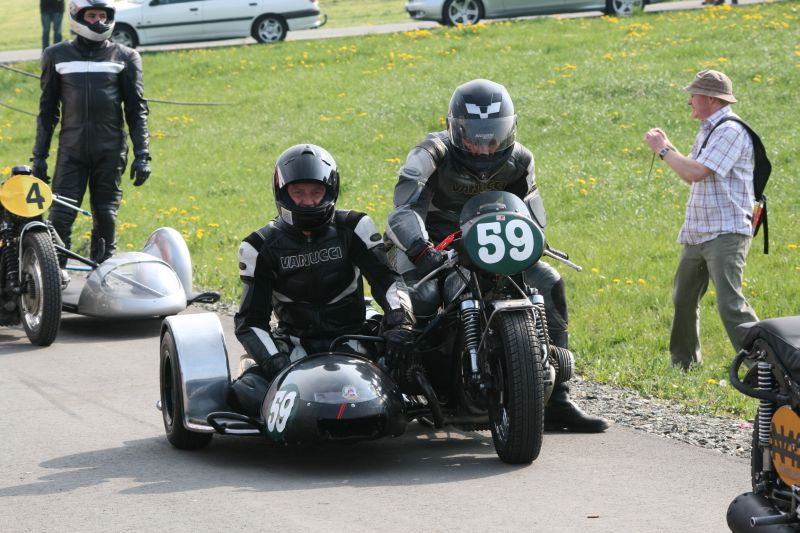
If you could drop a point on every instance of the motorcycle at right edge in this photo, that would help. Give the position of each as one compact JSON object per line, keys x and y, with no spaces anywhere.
{"x":772,"y":353}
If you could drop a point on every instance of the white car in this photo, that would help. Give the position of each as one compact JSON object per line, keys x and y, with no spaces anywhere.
{"x":143,"y":22}
{"x":453,"y":12}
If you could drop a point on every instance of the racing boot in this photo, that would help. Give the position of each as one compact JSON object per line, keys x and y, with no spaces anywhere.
{"x":562,"y":414}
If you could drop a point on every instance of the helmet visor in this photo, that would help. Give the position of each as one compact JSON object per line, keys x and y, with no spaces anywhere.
{"x":483,"y":136}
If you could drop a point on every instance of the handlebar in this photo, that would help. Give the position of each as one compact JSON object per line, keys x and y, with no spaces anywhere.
{"x":451,"y":261}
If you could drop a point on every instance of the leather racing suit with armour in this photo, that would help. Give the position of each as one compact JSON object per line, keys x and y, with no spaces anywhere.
{"x":433,"y":186}
{"x":314,"y":285}
{"x":86,"y":83}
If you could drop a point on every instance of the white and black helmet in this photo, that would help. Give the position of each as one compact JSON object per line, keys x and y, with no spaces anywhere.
{"x":94,"y":32}
{"x":481,"y":114}
{"x":305,"y":163}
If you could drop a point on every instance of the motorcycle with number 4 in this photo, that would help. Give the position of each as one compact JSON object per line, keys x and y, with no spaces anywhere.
{"x":772,"y":353}
{"x":30,"y":277}
{"x":484,"y":362}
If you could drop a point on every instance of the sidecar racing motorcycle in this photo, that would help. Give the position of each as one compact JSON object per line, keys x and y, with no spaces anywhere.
{"x":484,"y":362}
{"x":772,"y":352}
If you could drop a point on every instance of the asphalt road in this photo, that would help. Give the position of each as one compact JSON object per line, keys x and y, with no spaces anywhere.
{"x":84,"y":450}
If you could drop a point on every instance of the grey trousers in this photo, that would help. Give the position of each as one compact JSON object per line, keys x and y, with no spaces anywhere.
{"x":722,"y":259}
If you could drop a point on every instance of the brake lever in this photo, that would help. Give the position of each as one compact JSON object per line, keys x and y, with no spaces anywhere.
{"x":549,"y":252}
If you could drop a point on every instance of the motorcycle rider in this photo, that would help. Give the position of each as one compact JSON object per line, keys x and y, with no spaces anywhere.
{"x":89,"y":78}
{"x":306,"y":265}
{"x":477,"y":153}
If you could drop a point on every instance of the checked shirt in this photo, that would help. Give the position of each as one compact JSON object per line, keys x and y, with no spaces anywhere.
{"x":722,"y":202}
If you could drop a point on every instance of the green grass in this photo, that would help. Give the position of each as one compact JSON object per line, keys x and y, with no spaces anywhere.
{"x":586,"y":90}
{"x":20,"y":27}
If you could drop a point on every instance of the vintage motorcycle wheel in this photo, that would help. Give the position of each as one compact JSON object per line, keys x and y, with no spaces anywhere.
{"x":172,"y":408}
{"x":516,"y":405}
{"x":40,"y":302}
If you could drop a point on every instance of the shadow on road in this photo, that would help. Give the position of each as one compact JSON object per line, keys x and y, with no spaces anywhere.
{"x":251,"y":464}
{"x":76,"y":328}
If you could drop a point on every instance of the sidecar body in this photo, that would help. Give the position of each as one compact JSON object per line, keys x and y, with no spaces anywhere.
{"x":321,"y":398}
{"x":157,"y":281}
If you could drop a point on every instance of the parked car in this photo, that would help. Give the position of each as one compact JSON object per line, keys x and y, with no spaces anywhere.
{"x":453,"y":12}
{"x":142,"y":22}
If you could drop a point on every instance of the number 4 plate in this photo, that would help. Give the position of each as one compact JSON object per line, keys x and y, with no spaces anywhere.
{"x":504,"y":243}
{"x":25,"y":196}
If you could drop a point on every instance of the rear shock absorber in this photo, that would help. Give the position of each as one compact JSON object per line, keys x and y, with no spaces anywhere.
{"x":470,"y":318}
{"x":766,"y":381}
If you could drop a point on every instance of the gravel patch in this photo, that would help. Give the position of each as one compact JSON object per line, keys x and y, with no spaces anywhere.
{"x":629,"y":409}
{"x":665,"y":419}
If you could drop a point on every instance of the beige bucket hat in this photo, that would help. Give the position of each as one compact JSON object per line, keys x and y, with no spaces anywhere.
{"x":712,"y":83}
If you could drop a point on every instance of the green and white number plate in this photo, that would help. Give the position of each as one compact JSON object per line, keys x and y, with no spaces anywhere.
{"x":503,"y":243}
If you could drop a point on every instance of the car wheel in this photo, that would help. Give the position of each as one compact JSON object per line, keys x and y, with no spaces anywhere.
{"x":623,"y":8}
{"x":463,"y":12}
{"x":125,"y":35}
{"x":269,"y":29}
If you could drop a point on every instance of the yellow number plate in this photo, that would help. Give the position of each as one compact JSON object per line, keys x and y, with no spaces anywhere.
{"x":785,"y":441}
{"x":25,"y":196}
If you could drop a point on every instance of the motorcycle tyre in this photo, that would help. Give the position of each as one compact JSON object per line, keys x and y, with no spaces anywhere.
{"x":37,"y":250}
{"x":172,"y":408}
{"x":518,"y":435}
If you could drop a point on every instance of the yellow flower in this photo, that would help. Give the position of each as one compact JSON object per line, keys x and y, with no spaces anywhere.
{"x":595,"y":270}
{"x":199,"y":233}
{"x":711,"y":381}
{"x":616,"y":280}
{"x":213,"y":225}
{"x":789,"y":246}
{"x":642,"y":281}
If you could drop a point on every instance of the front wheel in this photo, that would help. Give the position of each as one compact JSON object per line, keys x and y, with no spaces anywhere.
{"x":623,"y":8}
{"x":40,"y":302}
{"x":516,"y":405}
{"x":172,"y":408}
{"x":464,"y":12}
{"x":269,"y":29}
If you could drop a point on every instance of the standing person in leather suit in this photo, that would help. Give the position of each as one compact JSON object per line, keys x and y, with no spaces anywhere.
{"x":306,"y":266}
{"x":90,"y":79}
{"x":477,"y":153}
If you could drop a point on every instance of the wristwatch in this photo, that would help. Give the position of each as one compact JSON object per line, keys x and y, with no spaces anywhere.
{"x":664,"y":151}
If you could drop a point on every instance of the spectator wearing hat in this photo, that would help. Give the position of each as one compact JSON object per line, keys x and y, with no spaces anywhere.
{"x":718,"y":225}
{"x":52,"y":12}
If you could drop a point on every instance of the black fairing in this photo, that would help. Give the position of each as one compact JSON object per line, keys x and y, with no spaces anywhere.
{"x":333,"y":397}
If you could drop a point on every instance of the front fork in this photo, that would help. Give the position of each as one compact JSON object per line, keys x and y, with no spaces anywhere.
{"x":469,"y":313}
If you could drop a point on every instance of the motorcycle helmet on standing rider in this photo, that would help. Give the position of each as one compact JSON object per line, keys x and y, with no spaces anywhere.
{"x":305,"y":163}
{"x":482,"y":126}
{"x":96,"y":31}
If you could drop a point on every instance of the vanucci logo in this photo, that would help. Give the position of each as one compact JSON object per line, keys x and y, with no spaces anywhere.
{"x":475,"y":188}
{"x":312,"y":258}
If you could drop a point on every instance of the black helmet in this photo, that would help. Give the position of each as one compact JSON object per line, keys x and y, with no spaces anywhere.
{"x":94,"y":32}
{"x":305,"y":163}
{"x":482,"y":125}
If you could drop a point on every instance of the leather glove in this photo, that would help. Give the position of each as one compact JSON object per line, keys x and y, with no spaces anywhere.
{"x":140,"y":169}
{"x":429,"y":260}
{"x":39,"y":168}
{"x":398,"y":342}
{"x":274,"y":364}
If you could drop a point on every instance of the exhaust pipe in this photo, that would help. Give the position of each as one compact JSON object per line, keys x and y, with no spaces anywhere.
{"x":753,"y":513}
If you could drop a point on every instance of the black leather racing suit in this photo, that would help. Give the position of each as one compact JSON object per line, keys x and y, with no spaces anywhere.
{"x":314,"y":285}
{"x":89,"y":82}
{"x":433,"y":186}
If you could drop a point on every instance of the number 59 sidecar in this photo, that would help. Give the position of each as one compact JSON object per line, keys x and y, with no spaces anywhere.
{"x":322,"y":397}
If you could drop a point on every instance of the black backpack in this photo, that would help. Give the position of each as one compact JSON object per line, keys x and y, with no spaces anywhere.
{"x":762,"y":168}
